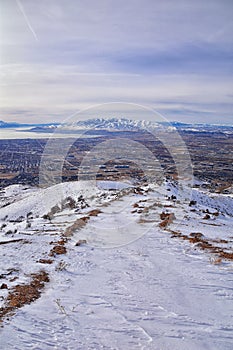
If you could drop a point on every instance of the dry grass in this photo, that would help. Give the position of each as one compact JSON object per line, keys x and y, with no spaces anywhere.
{"x":216,"y":261}
{"x":58,"y":250}
{"x":94,"y":212}
{"x":62,"y":241}
{"x":203,"y":243}
{"x":167,"y":218}
{"x":77,"y":225}
{"x":144,"y":221}
{"x":45,"y":261}
{"x":226,"y":255}
{"x":23,"y":294}
{"x":81,"y":222}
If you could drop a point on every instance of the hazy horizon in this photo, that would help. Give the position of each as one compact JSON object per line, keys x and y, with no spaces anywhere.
{"x":230,"y":124}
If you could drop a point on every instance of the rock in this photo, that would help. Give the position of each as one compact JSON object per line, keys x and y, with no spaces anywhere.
{"x":80,"y":242}
{"x":196,"y":235}
{"x":4,"y":286}
{"x":206,"y":217}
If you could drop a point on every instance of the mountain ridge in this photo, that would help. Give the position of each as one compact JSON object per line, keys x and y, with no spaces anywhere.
{"x":114,"y":123}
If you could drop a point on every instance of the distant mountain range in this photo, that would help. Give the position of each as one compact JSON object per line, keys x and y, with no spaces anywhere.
{"x":22,"y":125}
{"x":115,"y":124}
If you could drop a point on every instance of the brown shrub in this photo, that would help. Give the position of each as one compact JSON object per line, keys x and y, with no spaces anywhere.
{"x":163,"y":223}
{"x":226,"y":255}
{"x":62,"y":241}
{"x":24,"y":294}
{"x":94,"y":212}
{"x":77,"y":225}
{"x":167,"y":219}
{"x":167,"y":216}
{"x":45,"y":261}
{"x":197,"y":238}
{"x":58,"y":250}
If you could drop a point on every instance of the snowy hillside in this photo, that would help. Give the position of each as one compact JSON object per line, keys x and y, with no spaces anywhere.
{"x":112,"y":266}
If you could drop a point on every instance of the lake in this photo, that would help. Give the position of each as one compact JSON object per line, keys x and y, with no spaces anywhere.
{"x":25,"y":133}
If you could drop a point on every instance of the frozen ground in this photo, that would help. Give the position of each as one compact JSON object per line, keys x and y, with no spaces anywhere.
{"x":131,"y":286}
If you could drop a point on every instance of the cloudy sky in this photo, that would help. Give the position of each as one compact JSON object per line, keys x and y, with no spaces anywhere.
{"x":60,"y":56}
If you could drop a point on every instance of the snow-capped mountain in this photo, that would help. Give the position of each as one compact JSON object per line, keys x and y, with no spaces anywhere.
{"x":124,"y":124}
{"x":119,"y":124}
{"x":115,"y":124}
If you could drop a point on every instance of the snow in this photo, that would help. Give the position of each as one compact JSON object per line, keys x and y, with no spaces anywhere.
{"x":131,"y":286}
{"x":41,"y":201}
{"x":113,"y":124}
{"x":113,"y":185}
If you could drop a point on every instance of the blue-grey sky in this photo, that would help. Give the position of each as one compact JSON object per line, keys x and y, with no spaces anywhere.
{"x":59,"y":56}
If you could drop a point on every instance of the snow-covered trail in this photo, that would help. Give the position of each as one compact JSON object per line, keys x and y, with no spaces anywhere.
{"x":155,"y":293}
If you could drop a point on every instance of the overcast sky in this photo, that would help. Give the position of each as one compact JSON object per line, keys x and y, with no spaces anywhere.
{"x":59,"y":56}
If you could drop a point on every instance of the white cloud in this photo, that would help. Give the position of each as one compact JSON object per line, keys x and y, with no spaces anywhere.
{"x":85,"y":54}
{"x":63,"y":90}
